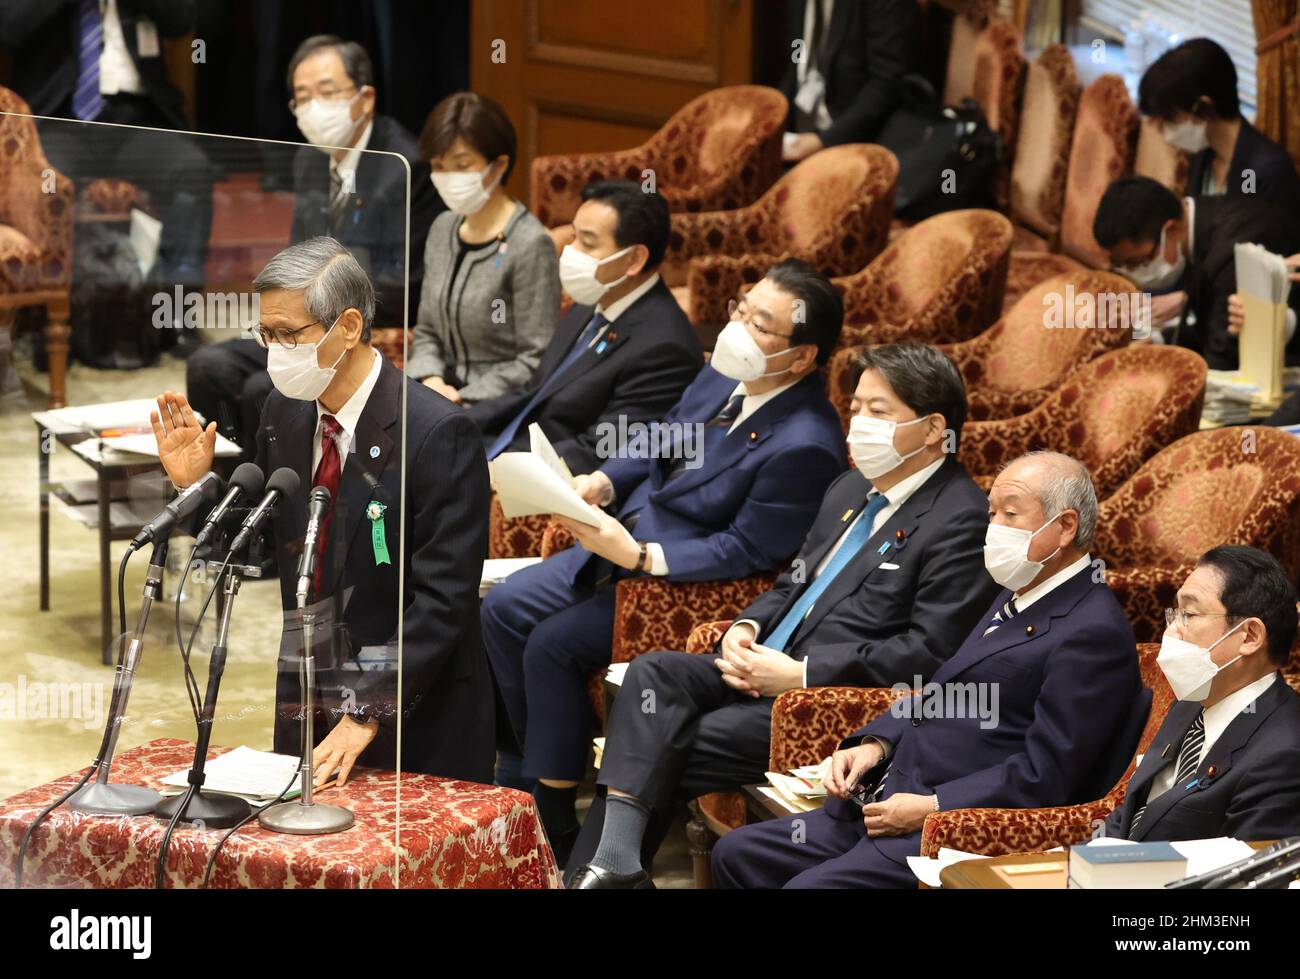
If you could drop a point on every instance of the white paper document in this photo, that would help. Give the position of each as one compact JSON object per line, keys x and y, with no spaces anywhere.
{"x":498,"y":569}
{"x":538,"y":481}
{"x":255,"y":775}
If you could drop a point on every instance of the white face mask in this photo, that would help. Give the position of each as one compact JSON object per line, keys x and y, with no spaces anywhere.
{"x":328,"y":124}
{"x":1006,"y":555}
{"x":1187,"y":135}
{"x":1188,"y":667}
{"x":295,"y":371}
{"x":1158,"y":275}
{"x":737,"y":355}
{"x":578,"y":275}
{"x":871,"y":445}
{"x":464,"y":192}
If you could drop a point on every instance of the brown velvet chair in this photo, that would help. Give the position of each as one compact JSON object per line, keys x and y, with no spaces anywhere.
{"x":1112,"y":414}
{"x":1048,"y":110}
{"x":514,"y":536}
{"x":998,"y":86}
{"x":959,"y":80}
{"x":1156,"y":159}
{"x":718,"y":152}
{"x":36,"y":215}
{"x":832,"y":210}
{"x":1225,"y":486}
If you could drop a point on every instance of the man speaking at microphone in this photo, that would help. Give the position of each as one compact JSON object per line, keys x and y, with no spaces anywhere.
{"x":336,"y":419}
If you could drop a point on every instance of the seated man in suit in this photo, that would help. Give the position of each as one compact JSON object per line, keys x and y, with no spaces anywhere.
{"x":625,"y":351}
{"x":354,"y":196}
{"x":1056,"y":652}
{"x":336,"y":419}
{"x":1163,"y":243}
{"x":889,"y":580}
{"x":1226,"y":760}
{"x":743,"y":461}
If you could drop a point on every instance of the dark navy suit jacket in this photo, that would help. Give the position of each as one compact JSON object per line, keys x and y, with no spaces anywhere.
{"x":1071,"y":707}
{"x":1248,"y":784}
{"x":747,"y":505}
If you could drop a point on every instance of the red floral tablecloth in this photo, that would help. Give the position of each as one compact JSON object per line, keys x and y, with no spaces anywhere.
{"x":453,"y":834}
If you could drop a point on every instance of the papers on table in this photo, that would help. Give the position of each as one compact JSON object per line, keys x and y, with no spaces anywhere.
{"x":135,"y":449}
{"x":616,"y":672}
{"x":928,"y":869}
{"x":498,"y":569}
{"x":1231,"y":398}
{"x":801,"y":790}
{"x":1263,"y":285}
{"x":125,"y":435}
{"x":258,"y":776}
{"x":538,"y":481}
{"x":1202,"y":855}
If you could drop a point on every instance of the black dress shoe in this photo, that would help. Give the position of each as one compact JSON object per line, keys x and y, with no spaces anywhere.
{"x":590,"y":878}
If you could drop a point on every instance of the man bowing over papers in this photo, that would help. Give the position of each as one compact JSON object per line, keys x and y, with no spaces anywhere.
{"x":336,"y":418}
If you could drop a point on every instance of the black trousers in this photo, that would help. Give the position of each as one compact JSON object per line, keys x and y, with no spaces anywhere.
{"x":227,"y":383}
{"x":677,"y":731}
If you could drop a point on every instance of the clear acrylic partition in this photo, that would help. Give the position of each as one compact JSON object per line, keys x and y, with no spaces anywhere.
{"x":130,"y":258}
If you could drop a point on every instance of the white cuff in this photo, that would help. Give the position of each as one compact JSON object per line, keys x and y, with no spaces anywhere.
{"x":805,"y":671}
{"x":658,"y":563}
{"x":750,"y":622}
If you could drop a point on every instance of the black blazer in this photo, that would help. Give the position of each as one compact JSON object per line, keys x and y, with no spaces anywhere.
{"x":1211,"y":275}
{"x":865,"y":51}
{"x":876,"y":625}
{"x":447,"y":702}
{"x":1274,"y":174}
{"x":1248,"y":784}
{"x":650,"y":355}
{"x":43,"y":37}
{"x":373,"y":224}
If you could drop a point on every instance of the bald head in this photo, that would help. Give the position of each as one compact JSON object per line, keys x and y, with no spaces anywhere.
{"x":1044,"y":487}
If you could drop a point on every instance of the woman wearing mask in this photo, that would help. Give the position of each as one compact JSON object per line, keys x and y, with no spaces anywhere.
{"x":491,"y":294}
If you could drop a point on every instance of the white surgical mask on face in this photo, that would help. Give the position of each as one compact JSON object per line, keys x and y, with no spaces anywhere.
{"x":295,"y":371}
{"x":737,"y":355}
{"x":1189,"y":668}
{"x":1158,"y":274}
{"x":462,"y":191}
{"x":578,"y":275}
{"x":327,"y":124}
{"x":1006,"y":555}
{"x":871,"y":444}
{"x":1187,"y":135}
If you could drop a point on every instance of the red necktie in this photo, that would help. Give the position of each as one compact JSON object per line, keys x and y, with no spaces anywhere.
{"x":328,"y":471}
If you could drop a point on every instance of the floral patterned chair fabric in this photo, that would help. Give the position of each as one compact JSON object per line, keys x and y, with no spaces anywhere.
{"x":959,"y":82}
{"x":832,"y":210}
{"x":1042,"y":158}
{"x":1027,"y":269}
{"x":998,"y":86}
{"x":718,"y":152}
{"x":994,"y":832}
{"x":514,"y":536}
{"x":1112,"y":414}
{"x":1225,"y":486}
{"x":35,"y":207}
{"x":1012,"y":367}
{"x":1158,"y":160}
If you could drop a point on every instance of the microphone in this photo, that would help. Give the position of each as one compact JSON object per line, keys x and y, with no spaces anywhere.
{"x":186,"y":503}
{"x":247,"y":480}
{"x":1242,"y":870}
{"x":317,"y":509}
{"x":283,"y":482}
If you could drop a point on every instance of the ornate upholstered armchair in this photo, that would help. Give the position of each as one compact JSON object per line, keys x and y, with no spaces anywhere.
{"x":998,"y":86}
{"x":1042,"y":157}
{"x":832,"y":210}
{"x":514,"y":536}
{"x":718,"y":152}
{"x":959,"y":80}
{"x":36,"y":216}
{"x":1226,"y":486}
{"x":993,"y":832}
{"x":1112,"y":414}
{"x":1158,"y":160}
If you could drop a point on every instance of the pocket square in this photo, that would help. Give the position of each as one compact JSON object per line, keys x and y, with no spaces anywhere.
{"x":888,"y":566}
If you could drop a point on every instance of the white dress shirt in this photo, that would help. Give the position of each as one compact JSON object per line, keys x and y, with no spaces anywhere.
{"x":1029,"y":596}
{"x":117,"y":72}
{"x":348,"y":165}
{"x":347,"y":416}
{"x":619,"y":306}
{"x":1217,"y":719}
{"x":820,"y":113}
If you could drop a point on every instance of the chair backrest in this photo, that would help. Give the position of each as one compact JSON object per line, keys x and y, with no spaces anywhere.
{"x":1102,"y":150}
{"x":1224,"y":486}
{"x":998,"y":85}
{"x":959,"y":82}
{"x":833,"y":201}
{"x":939,"y":281}
{"x":722,"y":129}
{"x":1158,"y":160}
{"x":25,"y":200}
{"x":1047,"y":115}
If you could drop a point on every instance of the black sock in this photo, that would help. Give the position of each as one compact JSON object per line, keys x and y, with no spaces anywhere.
{"x":619,"y":850}
{"x":555,"y":806}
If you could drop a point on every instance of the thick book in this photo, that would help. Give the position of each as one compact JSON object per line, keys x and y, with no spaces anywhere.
{"x":1141,"y":865}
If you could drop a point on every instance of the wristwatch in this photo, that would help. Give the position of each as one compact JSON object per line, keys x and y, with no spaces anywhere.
{"x":643,"y":560}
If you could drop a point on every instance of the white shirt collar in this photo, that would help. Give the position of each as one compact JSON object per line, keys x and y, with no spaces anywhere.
{"x":620,"y":306}
{"x":1218,"y":717}
{"x":353,"y":156}
{"x":899,"y":493}
{"x":350,"y":413}
{"x":1061,"y":577}
{"x":753,"y":402}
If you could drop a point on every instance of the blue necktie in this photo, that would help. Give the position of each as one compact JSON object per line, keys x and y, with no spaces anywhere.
{"x":508,"y":433}
{"x":87,"y":103}
{"x":858,"y":535}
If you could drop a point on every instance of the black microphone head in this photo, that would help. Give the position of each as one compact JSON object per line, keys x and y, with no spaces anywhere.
{"x":249,"y":478}
{"x":284,"y":481}
{"x":321,"y":494}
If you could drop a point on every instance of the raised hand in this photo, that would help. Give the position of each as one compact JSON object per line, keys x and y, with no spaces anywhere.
{"x":185,"y":448}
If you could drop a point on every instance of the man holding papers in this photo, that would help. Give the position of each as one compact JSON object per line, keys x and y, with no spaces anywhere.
{"x":889,"y":580}
{"x":1226,"y":760}
{"x":725,"y":486}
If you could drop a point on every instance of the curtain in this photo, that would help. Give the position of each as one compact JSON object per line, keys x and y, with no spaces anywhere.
{"x":1277,"y":71}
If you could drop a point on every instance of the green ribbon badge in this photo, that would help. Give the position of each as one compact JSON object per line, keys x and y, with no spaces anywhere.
{"x":375,"y":511}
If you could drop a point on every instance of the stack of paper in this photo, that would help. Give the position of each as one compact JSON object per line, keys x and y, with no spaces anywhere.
{"x":258,"y":776}
{"x":538,"y":481}
{"x":1230,"y":399}
{"x":1264,"y":286}
{"x":801,"y":790}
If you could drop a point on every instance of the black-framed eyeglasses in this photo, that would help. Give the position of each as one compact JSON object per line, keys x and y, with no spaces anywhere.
{"x":739,"y":312}
{"x":285,"y":338}
{"x":294,"y":103}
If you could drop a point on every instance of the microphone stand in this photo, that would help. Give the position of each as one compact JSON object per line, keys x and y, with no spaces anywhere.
{"x":214,"y":810}
{"x":305,"y":817}
{"x":99,"y":798}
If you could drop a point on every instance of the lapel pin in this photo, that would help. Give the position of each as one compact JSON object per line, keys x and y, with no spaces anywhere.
{"x":883,"y":548}
{"x":847,"y":513}
{"x":600,"y":348}
{"x":900,"y":539}
{"x":1211,"y":771}
{"x":374,"y":452}
{"x":1029,"y":630}
{"x":753,"y":436}
{"x":1166,"y":751}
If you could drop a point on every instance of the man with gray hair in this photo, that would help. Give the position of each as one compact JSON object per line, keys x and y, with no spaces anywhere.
{"x":1060,"y":654}
{"x":336,"y":419}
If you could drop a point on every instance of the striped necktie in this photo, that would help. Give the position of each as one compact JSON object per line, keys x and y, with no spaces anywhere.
{"x":1005,"y":614}
{"x":87,"y":103}
{"x":715,"y":430}
{"x":1189,"y":760}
